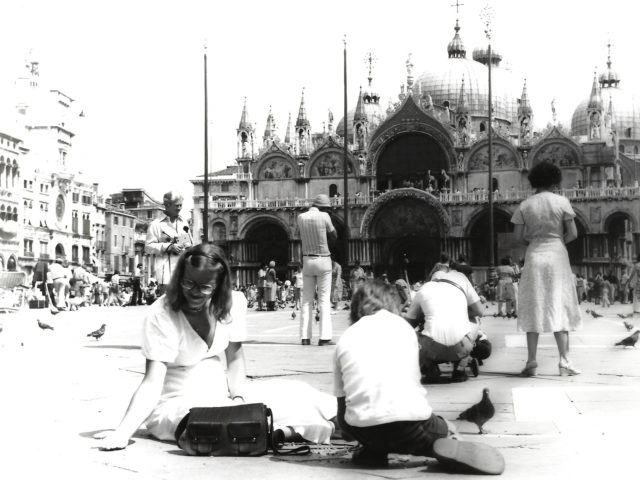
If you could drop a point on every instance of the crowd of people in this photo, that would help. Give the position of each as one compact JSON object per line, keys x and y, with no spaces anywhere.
{"x":198,"y":326}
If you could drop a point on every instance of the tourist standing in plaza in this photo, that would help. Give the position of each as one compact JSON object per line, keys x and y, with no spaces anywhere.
{"x":336,"y":284}
{"x":262,"y":282}
{"x":271,"y":286}
{"x":136,"y":285}
{"x":166,"y":239}
{"x":316,"y":230}
{"x":547,"y":300}
{"x":634,"y":282}
{"x":356,"y":277}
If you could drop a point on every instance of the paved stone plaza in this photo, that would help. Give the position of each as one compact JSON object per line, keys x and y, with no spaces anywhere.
{"x":59,"y":387}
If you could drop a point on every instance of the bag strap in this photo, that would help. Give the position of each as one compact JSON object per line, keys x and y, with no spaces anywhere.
{"x":450,"y":283}
{"x":301,"y":450}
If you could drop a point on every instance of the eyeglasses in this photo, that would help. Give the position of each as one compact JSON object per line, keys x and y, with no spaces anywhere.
{"x":204,"y":288}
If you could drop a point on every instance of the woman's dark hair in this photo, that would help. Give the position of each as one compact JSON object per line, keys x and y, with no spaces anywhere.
{"x":208,"y":256}
{"x":444,"y":258}
{"x":545,"y":175}
{"x":462,"y":268}
{"x":373,"y":296}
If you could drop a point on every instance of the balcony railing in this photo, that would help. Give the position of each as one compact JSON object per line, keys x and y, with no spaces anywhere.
{"x":479,"y":196}
{"x":28,"y":254}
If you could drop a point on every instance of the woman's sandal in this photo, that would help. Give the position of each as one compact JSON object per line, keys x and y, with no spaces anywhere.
{"x":529,"y":369}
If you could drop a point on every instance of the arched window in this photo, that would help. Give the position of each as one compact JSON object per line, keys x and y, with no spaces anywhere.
{"x":11,"y":264}
{"x":635,"y":149}
{"x":15,"y":214}
{"x":621,"y":148}
{"x":483,"y":127}
{"x":2,"y":213}
{"x":494,"y":184}
{"x":628,"y":132}
{"x":333,"y":190}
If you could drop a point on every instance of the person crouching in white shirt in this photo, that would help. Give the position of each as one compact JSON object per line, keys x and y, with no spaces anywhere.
{"x":381,"y":402}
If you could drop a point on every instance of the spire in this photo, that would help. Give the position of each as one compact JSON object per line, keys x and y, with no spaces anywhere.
{"x":525,"y":107}
{"x":456,"y":49}
{"x":611,"y":116}
{"x":244,"y":118}
{"x":270,"y":128}
{"x":359,"y":113}
{"x":595,"y":99}
{"x":288,"y":136}
{"x":610,"y":77}
{"x":370,"y":96}
{"x":525,"y":116}
{"x":409,"y":64}
{"x":302,"y":120}
{"x":463,"y":107}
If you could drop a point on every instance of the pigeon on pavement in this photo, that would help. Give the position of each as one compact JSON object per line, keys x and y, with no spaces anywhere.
{"x":481,"y":412}
{"x":628,"y":326}
{"x":594,"y":314}
{"x":631,"y":340}
{"x":293,"y":315}
{"x":627,"y":315}
{"x":98,"y":333}
{"x":43,"y":325}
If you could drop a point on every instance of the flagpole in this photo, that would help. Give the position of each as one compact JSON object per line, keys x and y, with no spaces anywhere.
{"x":345,"y":201}
{"x":205,"y":211}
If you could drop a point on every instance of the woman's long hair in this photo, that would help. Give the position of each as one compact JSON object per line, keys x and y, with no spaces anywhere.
{"x":208,"y":256}
{"x":373,"y":296}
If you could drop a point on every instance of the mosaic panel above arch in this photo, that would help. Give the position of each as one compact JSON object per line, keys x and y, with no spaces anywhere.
{"x":503,"y":158}
{"x":558,"y":153}
{"x":277,"y":168}
{"x":330,"y":164}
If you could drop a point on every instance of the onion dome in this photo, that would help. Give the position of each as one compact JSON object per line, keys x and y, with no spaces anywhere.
{"x":456,"y":49}
{"x":624,"y":104}
{"x":482,"y":55}
{"x":443,"y":82}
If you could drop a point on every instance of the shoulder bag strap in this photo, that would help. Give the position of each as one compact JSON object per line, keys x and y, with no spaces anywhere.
{"x":451,"y":283}
{"x":301,"y":450}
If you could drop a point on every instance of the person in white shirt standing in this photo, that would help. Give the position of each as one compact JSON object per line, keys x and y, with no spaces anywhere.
{"x":381,"y":402}
{"x":315,"y":230}
{"x":167,"y":237}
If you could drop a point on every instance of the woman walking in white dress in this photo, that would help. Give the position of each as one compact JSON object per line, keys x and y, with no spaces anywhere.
{"x":547,"y":299}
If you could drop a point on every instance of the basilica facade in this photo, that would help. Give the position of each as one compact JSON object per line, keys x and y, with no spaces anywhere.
{"x":418,"y":174}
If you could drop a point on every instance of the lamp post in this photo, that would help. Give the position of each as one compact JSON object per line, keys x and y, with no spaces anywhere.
{"x":487,"y":15}
{"x":205,"y":210}
{"x":345,"y":201}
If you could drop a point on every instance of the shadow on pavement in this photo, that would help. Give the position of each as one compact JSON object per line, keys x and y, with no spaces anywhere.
{"x":122,"y":347}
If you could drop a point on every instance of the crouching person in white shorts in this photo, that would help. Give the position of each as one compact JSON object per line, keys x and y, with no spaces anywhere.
{"x":381,"y":402}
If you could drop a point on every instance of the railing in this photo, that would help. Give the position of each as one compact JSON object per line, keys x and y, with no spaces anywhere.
{"x":478,"y":196}
{"x":28,"y":254}
{"x":243,"y":176}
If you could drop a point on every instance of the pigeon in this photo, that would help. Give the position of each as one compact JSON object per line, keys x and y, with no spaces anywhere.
{"x":628,"y":326}
{"x":631,"y":340}
{"x":98,"y":333}
{"x":594,"y":314}
{"x":44,"y":326}
{"x":293,"y":315}
{"x":481,"y":412}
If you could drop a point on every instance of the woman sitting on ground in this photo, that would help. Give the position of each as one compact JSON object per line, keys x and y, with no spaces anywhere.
{"x":185,"y":334}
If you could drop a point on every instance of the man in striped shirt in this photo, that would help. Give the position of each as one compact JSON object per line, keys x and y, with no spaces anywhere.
{"x":315,"y":229}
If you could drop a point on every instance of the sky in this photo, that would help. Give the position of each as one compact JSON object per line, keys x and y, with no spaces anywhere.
{"x":135,"y":67}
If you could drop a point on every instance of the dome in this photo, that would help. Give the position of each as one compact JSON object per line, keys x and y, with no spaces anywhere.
{"x":375,"y":115}
{"x":626,"y":113}
{"x":443,"y":83}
